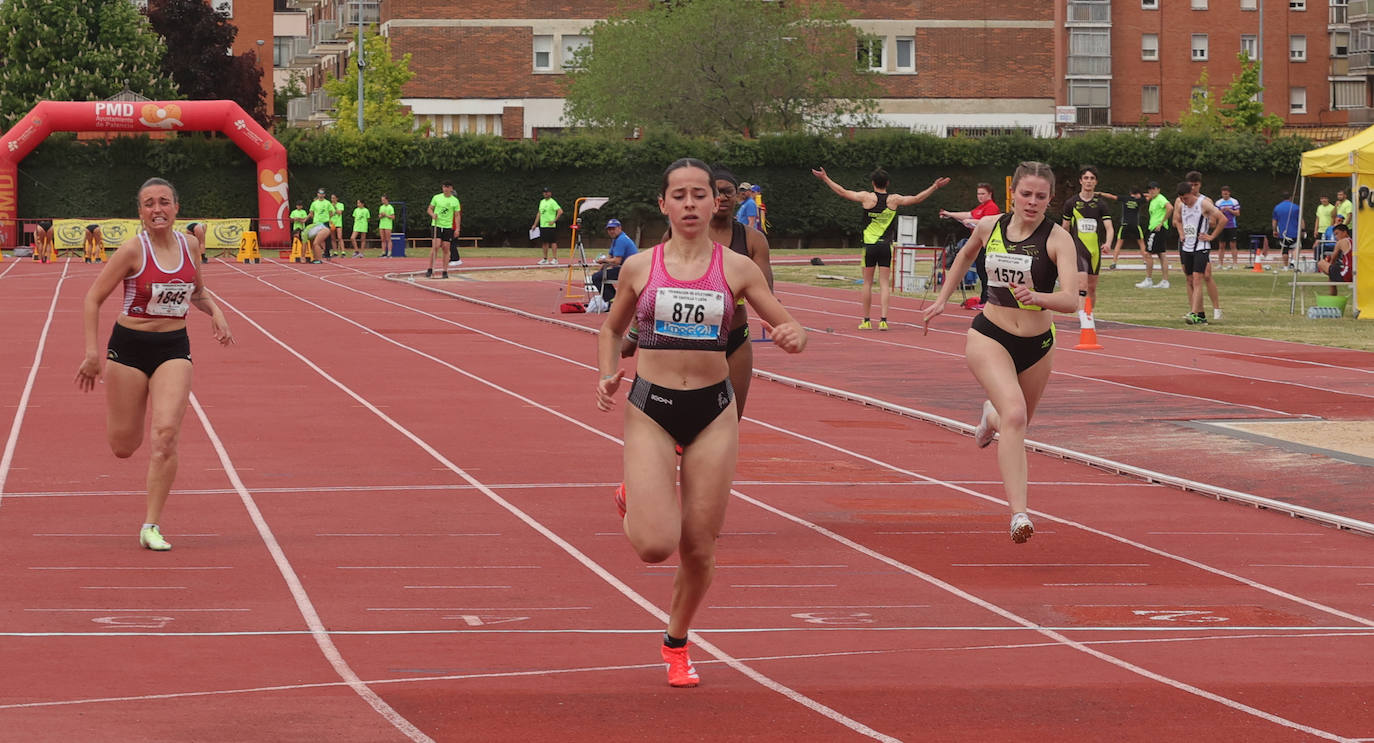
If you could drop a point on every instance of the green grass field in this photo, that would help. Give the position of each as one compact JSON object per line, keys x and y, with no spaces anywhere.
{"x":1252,"y":304}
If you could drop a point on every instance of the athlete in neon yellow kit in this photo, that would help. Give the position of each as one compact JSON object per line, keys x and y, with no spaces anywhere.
{"x":880,"y":211}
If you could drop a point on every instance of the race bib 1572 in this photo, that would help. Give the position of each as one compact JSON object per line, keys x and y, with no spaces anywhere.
{"x":1008,"y":268}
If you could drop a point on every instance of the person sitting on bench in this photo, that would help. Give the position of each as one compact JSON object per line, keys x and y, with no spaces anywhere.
{"x":622,"y":247}
{"x":1340,"y":264}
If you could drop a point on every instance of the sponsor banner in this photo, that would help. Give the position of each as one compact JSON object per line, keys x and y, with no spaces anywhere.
{"x":70,"y":234}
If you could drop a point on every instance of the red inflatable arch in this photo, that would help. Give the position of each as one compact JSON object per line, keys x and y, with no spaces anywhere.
{"x":121,"y":116}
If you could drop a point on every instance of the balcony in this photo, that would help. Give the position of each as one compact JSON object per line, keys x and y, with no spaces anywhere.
{"x":1356,"y":10}
{"x":1085,"y":65}
{"x":1093,"y":116}
{"x":1089,"y":11}
{"x":1361,"y":116}
{"x":369,"y":12}
{"x":1361,"y":63}
{"x":300,"y":52}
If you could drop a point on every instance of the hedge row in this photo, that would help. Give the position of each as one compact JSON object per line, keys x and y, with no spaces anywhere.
{"x":499,"y":181}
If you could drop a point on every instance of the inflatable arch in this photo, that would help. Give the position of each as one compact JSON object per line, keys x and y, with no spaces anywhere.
{"x":125,"y":116}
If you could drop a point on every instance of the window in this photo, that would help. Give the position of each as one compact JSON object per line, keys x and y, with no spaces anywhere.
{"x":1092,"y":93}
{"x":1249,"y":45}
{"x":1149,"y":99}
{"x":1297,"y":100}
{"x":1149,"y":4}
{"x":281,"y":51}
{"x":1297,"y":4}
{"x":1340,"y":43}
{"x":1149,"y":46}
{"x":543,"y":52}
{"x":1297,"y":48}
{"x":873,"y":53}
{"x":1199,"y":4}
{"x":1348,"y":94}
{"x":1199,"y":47}
{"x":1249,"y":5}
{"x":906,"y":54}
{"x":571,"y":43}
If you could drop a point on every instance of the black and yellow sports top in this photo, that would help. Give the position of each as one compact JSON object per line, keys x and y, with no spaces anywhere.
{"x":882,"y":222}
{"x":1019,"y":262}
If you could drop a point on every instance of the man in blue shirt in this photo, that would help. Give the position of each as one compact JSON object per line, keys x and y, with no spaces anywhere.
{"x":748,"y":212}
{"x":1287,"y":224}
{"x":622,"y":247}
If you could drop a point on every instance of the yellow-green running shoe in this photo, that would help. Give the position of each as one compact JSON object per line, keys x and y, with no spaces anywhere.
{"x":151,"y":538}
{"x":882,"y":325}
{"x":865,"y":325}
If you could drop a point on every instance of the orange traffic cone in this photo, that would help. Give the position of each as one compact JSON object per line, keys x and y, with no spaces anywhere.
{"x":1087,"y":332}
{"x":1258,"y":268}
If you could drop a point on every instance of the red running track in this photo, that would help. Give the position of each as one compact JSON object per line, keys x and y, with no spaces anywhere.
{"x":393,"y":522}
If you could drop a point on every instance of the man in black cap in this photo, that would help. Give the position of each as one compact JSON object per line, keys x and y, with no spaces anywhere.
{"x":546,"y":220}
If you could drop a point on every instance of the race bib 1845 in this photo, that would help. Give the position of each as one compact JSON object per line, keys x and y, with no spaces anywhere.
{"x":694,"y":314}
{"x":170,"y":300}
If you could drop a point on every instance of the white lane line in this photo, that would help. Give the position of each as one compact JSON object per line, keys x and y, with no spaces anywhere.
{"x":661,"y":566}
{"x":958,"y":531}
{"x":784,"y":585}
{"x":133,"y":588}
{"x":1238,"y":533}
{"x":1049,"y":564}
{"x":1094,"y":584}
{"x":398,"y":534}
{"x":438,"y":567}
{"x":298,"y":593}
{"x":1173,"y":346}
{"x":132,"y":567}
{"x":891,"y":561}
{"x":145,"y":608}
{"x":494,"y":588}
{"x":7,"y":459}
{"x":1321,"y":567}
{"x":1080,"y":377}
{"x":124,"y":535}
{"x":546,"y":532}
{"x":480,"y":608}
{"x":832,"y":606}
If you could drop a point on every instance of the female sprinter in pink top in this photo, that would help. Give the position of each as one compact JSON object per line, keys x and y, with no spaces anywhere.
{"x":151,"y":354}
{"x":681,"y":297}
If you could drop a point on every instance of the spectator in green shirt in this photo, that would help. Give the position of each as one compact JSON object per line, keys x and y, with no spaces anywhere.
{"x":546,"y":219}
{"x":1345,"y":211}
{"x":335,"y":224}
{"x":361,"y":215}
{"x":322,"y":212}
{"x":298,"y":217}
{"x":1157,"y":238}
{"x":1326,"y":216}
{"x":385,"y":214}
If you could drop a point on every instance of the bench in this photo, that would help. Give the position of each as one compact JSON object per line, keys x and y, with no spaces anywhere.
{"x":471,"y":242}
{"x":1301,"y":299}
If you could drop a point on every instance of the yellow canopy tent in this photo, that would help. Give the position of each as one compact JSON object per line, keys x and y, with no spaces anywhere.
{"x":1353,"y":160}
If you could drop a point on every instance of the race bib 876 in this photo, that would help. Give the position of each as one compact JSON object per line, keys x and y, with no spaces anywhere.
{"x":694,"y":314}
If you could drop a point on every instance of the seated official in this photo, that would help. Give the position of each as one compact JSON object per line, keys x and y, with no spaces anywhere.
{"x":1340,"y":265}
{"x":622,"y":247}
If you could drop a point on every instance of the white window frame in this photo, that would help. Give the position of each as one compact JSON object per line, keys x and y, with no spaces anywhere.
{"x":1149,"y":4}
{"x":1249,"y":43}
{"x":1145,"y":98}
{"x":897,"y":52}
{"x":543,"y":44}
{"x":878,"y":43}
{"x":568,"y":46}
{"x":1297,"y":4}
{"x":1199,"y":51}
{"x":1149,"y":47}
{"x":1249,"y":4}
{"x":1355,"y":100}
{"x":1337,"y":50}
{"x":1297,"y":48}
{"x":1199,"y":4}
{"x":1297,"y":100}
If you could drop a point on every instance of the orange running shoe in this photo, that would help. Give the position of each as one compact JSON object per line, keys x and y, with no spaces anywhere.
{"x":681,"y":673}
{"x":620,"y":499}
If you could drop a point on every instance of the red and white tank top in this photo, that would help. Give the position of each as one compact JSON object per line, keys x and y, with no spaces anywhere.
{"x":157,"y":292}
{"x":692,"y":315}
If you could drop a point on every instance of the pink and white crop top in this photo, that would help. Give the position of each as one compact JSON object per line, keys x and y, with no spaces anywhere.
{"x":689,"y":315}
{"x":156,"y":292}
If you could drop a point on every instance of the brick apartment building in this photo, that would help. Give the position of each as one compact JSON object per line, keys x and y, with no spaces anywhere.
{"x":496,"y":66}
{"x":256,"y":28}
{"x":1133,"y":61}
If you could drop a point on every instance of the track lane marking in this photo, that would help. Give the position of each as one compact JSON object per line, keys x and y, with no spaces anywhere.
{"x":854,"y":545}
{"x":298,"y":593}
{"x":7,"y":458}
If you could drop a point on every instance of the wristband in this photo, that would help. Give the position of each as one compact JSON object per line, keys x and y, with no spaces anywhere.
{"x":607,"y":377}
{"x":633,"y":334}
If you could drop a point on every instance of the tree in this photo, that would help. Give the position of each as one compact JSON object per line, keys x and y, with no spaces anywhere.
{"x":283,"y":95}
{"x":199,"y":56}
{"x":76,"y":50}
{"x":1246,"y":110}
{"x":383,"y":78}
{"x":716,"y":66}
{"x":1201,"y":116}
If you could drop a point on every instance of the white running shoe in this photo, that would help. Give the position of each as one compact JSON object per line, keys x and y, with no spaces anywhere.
{"x":458,"y":262}
{"x":1146,"y":284}
{"x":543,"y":262}
{"x":1163,"y":284}
{"x":553,"y":261}
{"x":1216,"y":313}
{"x":982,"y":435}
{"x":1021,"y":528}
